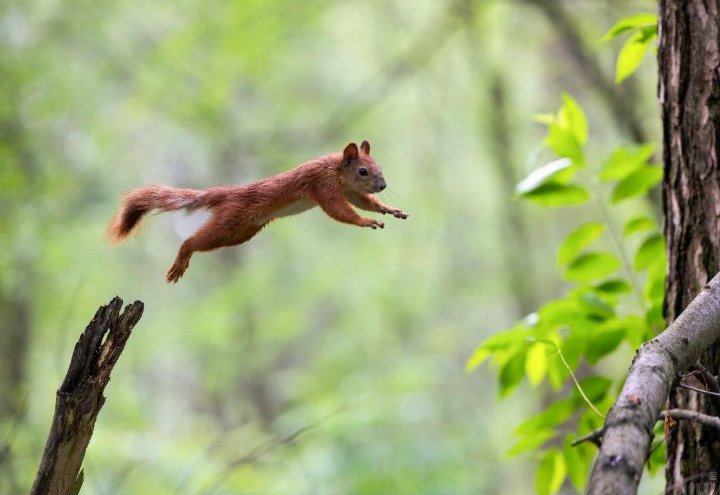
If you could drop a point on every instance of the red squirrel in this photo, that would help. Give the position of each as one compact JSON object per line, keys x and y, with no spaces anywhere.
{"x":334,"y":182}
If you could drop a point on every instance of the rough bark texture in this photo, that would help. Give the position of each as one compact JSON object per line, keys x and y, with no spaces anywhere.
{"x":629,"y":424}
{"x":689,"y":91}
{"x":80,"y":397}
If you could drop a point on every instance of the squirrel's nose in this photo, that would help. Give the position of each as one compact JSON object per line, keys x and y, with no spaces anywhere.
{"x":380,"y":185}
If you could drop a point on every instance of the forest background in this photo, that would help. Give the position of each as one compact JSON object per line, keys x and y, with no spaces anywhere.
{"x":319,"y":358}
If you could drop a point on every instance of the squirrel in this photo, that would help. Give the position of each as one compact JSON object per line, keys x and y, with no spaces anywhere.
{"x":334,"y":182}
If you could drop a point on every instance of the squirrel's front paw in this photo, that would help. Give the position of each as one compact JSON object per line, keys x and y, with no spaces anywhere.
{"x":374,"y":224}
{"x":396,"y":212}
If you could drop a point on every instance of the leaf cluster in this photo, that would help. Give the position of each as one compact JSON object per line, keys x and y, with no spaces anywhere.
{"x":615,"y":280}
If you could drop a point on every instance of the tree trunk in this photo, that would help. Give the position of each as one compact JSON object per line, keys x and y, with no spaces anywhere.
{"x":689,"y":91}
{"x":80,"y":397}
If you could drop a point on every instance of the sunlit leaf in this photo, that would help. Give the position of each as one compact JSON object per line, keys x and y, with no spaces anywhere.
{"x":633,"y":51}
{"x":625,"y":160}
{"x":573,"y":115}
{"x":591,"y":266}
{"x":637,"y":183}
{"x":478,"y":357}
{"x":550,"y":473}
{"x":552,"y":194}
{"x":543,"y":175}
{"x":577,"y":240}
{"x":501,"y":341}
{"x":638,"y":224}
{"x":650,"y":251}
{"x":633,"y":21}
{"x":564,"y":143}
{"x":536,"y":363}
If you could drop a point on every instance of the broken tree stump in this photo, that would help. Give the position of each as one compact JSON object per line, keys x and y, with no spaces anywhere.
{"x":80,"y":397}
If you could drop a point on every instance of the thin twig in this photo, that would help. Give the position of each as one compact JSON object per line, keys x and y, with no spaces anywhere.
{"x":572,"y":375}
{"x":705,"y":419}
{"x":702,"y":391}
{"x":711,"y":382}
{"x":594,"y":436}
{"x":254,"y":455}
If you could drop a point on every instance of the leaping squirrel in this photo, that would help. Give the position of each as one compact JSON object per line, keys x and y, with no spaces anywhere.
{"x":334,"y":182}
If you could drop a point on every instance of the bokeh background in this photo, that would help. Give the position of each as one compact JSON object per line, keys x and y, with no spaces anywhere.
{"x":319,"y":358}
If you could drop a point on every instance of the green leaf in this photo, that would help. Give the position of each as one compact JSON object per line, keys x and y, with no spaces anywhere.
{"x":577,"y":240}
{"x":512,"y":372}
{"x":625,"y":160}
{"x":654,"y":317}
{"x":559,"y":311}
{"x":637,"y":183}
{"x":603,"y":341}
{"x":633,"y":21}
{"x":594,"y":307}
{"x":563,"y":142}
{"x":530,"y":442}
{"x":536,"y":363}
{"x":654,"y":288}
{"x":633,"y":52}
{"x":550,"y":473}
{"x":478,"y":357}
{"x":636,"y":330}
{"x":552,"y":194}
{"x":500,"y":342}
{"x":615,"y":286}
{"x":572,"y":114}
{"x":591,"y":266}
{"x":658,"y":451}
{"x":542,"y":175}
{"x":650,"y":251}
{"x":553,"y":415}
{"x":638,"y":224}
{"x":577,"y":461}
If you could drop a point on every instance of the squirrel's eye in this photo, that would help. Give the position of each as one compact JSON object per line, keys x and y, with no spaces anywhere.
{"x":362,"y":171}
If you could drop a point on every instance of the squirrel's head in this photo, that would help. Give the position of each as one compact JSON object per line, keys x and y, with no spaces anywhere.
{"x":359,"y":171}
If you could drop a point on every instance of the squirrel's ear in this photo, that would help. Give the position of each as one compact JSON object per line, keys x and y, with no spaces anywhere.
{"x":350,"y":153}
{"x":365,"y":147}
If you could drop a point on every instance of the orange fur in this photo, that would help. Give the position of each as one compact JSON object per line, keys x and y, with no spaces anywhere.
{"x":333,"y":182}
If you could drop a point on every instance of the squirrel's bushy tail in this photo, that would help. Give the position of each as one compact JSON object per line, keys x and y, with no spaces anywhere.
{"x":140,"y":201}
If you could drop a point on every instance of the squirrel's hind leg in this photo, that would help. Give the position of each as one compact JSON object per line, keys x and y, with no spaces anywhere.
{"x":206,"y":239}
{"x":182,"y":261}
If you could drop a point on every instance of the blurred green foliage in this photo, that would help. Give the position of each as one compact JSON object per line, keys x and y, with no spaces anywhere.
{"x":319,"y":358}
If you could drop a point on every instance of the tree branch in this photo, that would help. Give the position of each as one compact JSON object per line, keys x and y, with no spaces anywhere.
{"x":629,"y":424}
{"x":80,"y":397}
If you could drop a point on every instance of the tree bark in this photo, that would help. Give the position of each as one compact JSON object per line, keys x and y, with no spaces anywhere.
{"x":629,"y":425}
{"x":689,"y":92}
{"x":80,"y":397}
